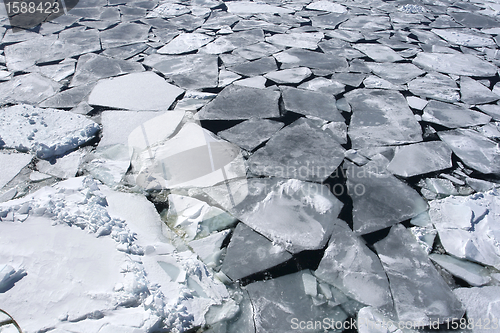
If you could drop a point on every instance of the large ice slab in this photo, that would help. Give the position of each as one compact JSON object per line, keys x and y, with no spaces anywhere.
{"x":71,"y":42}
{"x":474,"y":149}
{"x":474,"y":274}
{"x":467,"y":226}
{"x":301,"y":151}
{"x":251,"y":133}
{"x":420,"y":294}
{"x":256,"y":67}
{"x":464,"y":38}
{"x":294,"y":214}
{"x":282,"y":303}
{"x":291,"y":75}
{"x":247,"y":7}
{"x":381,"y":117}
{"x":311,"y":103}
{"x":453,"y":116}
{"x":30,"y":88}
{"x":354,"y":269}
{"x":379,"y":53}
{"x":249,"y":253}
{"x":473,"y":92}
{"x":125,"y":33}
{"x":436,"y":86}
{"x":11,"y":164}
{"x":236,"y":102}
{"x":455,"y":63}
{"x":194,"y":157}
{"x":185,"y":42}
{"x":137,"y":91}
{"x":397,"y":73}
{"x":327,"y":6}
{"x":194,"y":71}
{"x":380,"y":199}
{"x":306,"y":40}
{"x":44,"y":132}
{"x":92,"y":67}
{"x":118,"y":126}
{"x":420,"y":158}
{"x":304,"y":58}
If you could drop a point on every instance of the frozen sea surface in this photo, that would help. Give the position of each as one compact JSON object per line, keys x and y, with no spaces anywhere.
{"x":251,"y":166}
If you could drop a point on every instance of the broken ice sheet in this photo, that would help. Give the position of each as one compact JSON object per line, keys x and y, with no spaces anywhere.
{"x":474,"y":274}
{"x":29,"y":88}
{"x":27,"y":128}
{"x":301,"y":150}
{"x":292,"y":75}
{"x":256,"y":67}
{"x":69,"y":98}
{"x":381,"y":117}
{"x":306,"y":102}
{"x":420,"y":294}
{"x":185,"y":42}
{"x":194,"y":219}
{"x":459,"y":37}
{"x":281,"y":303}
{"x":11,"y":164}
{"x":251,"y":133}
{"x":296,"y":39}
{"x":453,"y":116}
{"x":350,"y":266}
{"x":295,"y":57}
{"x":437,"y":86}
{"x":92,"y":67}
{"x":375,"y":82}
{"x":63,"y":167}
{"x":379,"y":53}
{"x":136,"y":91}
{"x":474,"y":149}
{"x":235,"y":102}
{"x":321,"y":84}
{"x":293,"y":214}
{"x":71,"y":42}
{"x":380,"y":199}
{"x":194,"y":71}
{"x":194,"y":157}
{"x":247,"y":7}
{"x":467,"y":227}
{"x":473,"y":92}
{"x":249,"y":253}
{"x":398,"y":73}
{"x":124,"y":34}
{"x":420,"y":158}
{"x":458,"y":64}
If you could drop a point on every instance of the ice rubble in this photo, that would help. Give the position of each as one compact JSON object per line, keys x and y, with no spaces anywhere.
{"x":127,"y":270}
